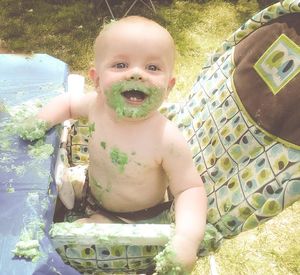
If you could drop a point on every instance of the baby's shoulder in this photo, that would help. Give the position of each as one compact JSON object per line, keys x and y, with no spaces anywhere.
{"x":171,"y":128}
{"x":83,"y":98}
{"x":90,"y":96}
{"x":171,"y":134}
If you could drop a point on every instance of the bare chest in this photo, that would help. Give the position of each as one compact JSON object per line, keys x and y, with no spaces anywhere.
{"x":125,"y":152}
{"x":126,"y":172}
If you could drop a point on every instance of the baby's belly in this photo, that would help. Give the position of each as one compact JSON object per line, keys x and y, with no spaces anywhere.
{"x":122,"y":194}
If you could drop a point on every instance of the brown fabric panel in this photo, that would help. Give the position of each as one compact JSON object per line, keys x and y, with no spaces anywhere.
{"x":277,"y":114}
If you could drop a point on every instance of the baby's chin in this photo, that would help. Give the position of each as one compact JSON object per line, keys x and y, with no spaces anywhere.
{"x":134,"y":112}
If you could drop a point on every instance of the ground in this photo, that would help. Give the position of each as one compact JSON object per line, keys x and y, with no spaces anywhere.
{"x":66,"y":30}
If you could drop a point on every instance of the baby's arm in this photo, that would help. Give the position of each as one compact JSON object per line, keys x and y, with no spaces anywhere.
{"x":190,"y":197}
{"x":59,"y":109}
{"x":66,"y":106}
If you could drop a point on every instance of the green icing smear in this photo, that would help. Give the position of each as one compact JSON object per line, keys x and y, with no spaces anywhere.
{"x":100,"y":190}
{"x":40,"y":150}
{"x":21,"y":121}
{"x":28,"y":249}
{"x":166,"y":263}
{"x":31,"y":128}
{"x":28,"y":246}
{"x":123,"y":109}
{"x":103,"y":144}
{"x":119,"y":158}
{"x":91,"y":129}
{"x":10,"y":188}
{"x":25,"y":123}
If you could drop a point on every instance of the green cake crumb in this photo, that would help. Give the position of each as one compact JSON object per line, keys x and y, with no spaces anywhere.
{"x":10,"y":189}
{"x":40,"y":150}
{"x":91,"y":129}
{"x":31,"y":128}
{"x":166,"y":263}
{"x":119,"y":158}
{"x":33,"y":231}
{"x":103,"y":144}
{"x":28,"y":249}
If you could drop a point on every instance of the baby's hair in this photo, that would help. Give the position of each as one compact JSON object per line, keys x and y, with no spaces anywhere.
{"x":133,"y":18}
{"x":107,"y":24}
{"x":128,"y":19}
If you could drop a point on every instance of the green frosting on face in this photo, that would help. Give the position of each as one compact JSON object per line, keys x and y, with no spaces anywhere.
{"x":119,"y":158}
{"x":115,"y":99}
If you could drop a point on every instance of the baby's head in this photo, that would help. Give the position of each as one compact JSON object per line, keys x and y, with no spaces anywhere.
{"x":134,"y":28}
{"x":134,"y":60}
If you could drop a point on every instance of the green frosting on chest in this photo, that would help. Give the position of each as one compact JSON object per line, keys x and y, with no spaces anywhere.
{"x":119,"y":159}
{"x":103,"y":144}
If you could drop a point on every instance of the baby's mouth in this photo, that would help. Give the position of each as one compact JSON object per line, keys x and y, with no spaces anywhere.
{"x":134,"y":97}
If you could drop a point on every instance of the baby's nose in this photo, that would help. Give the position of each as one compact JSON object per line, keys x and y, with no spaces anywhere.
{"x":136,"y":73}
{"x":136,"y":76}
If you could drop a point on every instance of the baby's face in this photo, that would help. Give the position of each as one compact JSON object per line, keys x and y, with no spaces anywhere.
{"x":134,"y":67}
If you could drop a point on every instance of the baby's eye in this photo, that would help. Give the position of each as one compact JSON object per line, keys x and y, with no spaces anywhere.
{"x":121,"y":65}
{"x":152,"y":67}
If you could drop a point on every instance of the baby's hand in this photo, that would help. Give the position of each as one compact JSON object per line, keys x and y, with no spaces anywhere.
{"x":31,"y":128}
{"x":178,"y":257}
{"x":185,"y":250}
{"x":166,"y":262}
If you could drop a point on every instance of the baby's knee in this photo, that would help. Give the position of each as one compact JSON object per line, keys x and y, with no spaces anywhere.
{"x":71,"y":189}
{"x":95,"y":218}
{"x":77,"y":177}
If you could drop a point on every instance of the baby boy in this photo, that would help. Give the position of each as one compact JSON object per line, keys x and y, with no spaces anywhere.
{"x":135,"y":152}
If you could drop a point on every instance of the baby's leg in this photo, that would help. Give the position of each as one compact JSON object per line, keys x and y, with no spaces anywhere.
{"x":95,"y":218}
{"x":66,"y":192}
{"x":77,"y":176}
{"x":72,"y":188}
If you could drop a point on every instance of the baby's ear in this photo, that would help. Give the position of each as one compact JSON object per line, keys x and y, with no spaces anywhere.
{"x":171,"y":84}
{"x":94,"y":77}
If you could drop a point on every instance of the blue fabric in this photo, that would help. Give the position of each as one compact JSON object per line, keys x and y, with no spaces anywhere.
{"x":23,"y":78}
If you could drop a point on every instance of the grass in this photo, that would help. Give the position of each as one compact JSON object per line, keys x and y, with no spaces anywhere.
{"x":67,"y":31}
{"x":273,"y":248}
{"x":197,"y":31}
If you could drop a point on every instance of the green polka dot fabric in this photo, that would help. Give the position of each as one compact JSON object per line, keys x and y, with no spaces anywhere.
{"x":95,"y":248}
{"x":110,"y":258}
{"x":250,"y":175}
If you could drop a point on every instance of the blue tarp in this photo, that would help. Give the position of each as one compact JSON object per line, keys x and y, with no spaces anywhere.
{"x":33,"y":193}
